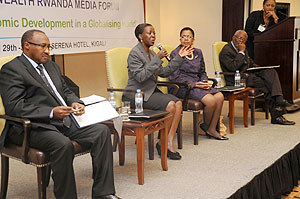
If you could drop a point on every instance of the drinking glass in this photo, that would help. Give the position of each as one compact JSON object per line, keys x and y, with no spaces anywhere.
{"x":125,"y":110}
{"x":243,"y":83}
{"x":127,"y":105}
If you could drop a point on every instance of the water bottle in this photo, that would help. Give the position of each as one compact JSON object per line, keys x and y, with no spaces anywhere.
{"x":218,"y":78}
{"x":138,"y":101}
{"x":237,"y":78}
{"x":112,"y":100}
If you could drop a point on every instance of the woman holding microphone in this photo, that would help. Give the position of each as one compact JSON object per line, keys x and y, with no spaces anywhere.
{"x":144,"y":66}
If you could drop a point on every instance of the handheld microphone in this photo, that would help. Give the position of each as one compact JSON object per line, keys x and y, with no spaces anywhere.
{"x":159,"y":46}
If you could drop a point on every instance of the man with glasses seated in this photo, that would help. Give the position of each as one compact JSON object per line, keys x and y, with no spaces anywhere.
{"x":32,"y":87}
{"x":234,"y":56}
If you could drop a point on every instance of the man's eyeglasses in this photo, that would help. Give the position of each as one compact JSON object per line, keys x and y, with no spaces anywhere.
{"x":43,"y":46}
{"x":186,"y":37}
{"x":240,"y":38}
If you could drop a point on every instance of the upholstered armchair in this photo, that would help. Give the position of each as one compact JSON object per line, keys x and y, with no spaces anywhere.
{"x":190,"y":105}
{"x":253,"y":93}
{"x":25,"y":153}
{"x":117,"y":74}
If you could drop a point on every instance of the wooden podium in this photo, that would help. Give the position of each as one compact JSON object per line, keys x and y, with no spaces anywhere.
{"x":280,"y":45}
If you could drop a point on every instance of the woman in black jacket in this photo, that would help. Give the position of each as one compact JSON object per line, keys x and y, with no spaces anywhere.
{"x":259,"y":21}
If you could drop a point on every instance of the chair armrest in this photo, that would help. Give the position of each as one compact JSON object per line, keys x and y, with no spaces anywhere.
{"x":177,"y":86}
{"x":173,"y":85}
{"x":226,"y":73}
{"x":121,"y":90}
{"x":254,"y":92}
{"x":230,"y":73}
{"x":27,"y":129}
{"x":214,"y":82}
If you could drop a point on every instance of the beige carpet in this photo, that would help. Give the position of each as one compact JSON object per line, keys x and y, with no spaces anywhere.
{"x":212,"y":170}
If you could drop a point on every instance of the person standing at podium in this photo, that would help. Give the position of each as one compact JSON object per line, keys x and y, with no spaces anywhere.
{"x":259,"y":21}
{"x":234,"y":56}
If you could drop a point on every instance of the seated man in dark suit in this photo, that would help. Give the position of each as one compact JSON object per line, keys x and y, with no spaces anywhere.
{"x":234,"y":57}
{"x":32,"y":87}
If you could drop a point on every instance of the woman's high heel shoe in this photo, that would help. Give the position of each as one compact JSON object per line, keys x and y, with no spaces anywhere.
{"x":170,"y":154}
{"x":217,"y":138}
{"x":202,"y":127}
{"x":173,"y":155}
{"x":158,"y":148}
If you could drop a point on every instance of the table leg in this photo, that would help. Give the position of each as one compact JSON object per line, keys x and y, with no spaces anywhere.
{"x":122,"y":151}
{"x":179,"y":133}
{"x":231,"y":113}
{"x":140,"y":151}
{"x":164,"y":145}
{"x":151,"y":146}
{"x":252,"y":111}
{"x":246,"y":110}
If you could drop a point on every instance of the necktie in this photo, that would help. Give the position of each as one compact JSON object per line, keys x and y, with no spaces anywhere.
{"x":66,"y":120}
{"x":41,"y":69}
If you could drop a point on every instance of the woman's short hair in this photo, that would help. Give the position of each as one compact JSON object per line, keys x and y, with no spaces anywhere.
{"x":140,"y":29}
{"x":266,"y":1}
{"x":187,"y":28}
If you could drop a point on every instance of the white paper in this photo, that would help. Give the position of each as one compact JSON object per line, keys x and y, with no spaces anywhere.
{"x":92,"y":99}
{"x":95,"y":113}
{"x":262,"y":67}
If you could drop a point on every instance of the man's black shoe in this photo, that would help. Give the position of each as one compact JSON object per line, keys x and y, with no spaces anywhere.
{"x":281,"y":120}
{"x":293,"y":108}
{"x":283,"y":103}
{"x":108,"y":197}
{"x":277,"y":112}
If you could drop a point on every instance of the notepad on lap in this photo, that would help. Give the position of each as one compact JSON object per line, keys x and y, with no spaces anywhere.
{"x":262,"y":67}
{"x":97,"y":110}
{"x":92,"y":99}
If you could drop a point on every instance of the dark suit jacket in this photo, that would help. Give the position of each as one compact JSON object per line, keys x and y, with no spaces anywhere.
{"x":25,"y":95}
{"x":142,"y":72}
{"x":231,"y":61}
{"x":253,"y":21}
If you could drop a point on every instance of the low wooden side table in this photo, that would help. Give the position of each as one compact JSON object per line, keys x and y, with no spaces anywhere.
{"x":140,"y":130}
{"x":237,"y":95}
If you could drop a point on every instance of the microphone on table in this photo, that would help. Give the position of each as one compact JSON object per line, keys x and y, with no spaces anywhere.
{"x":159,"y":46}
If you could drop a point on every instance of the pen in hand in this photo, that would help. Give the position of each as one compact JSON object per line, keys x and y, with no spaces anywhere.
{"x":77,"y":109}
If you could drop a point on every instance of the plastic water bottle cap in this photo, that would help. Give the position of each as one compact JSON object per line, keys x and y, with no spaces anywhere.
{"x":237,"y":71}
{"x":111,"y":94}
{"x":138,"y":90}
{"x":218,"y":73}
